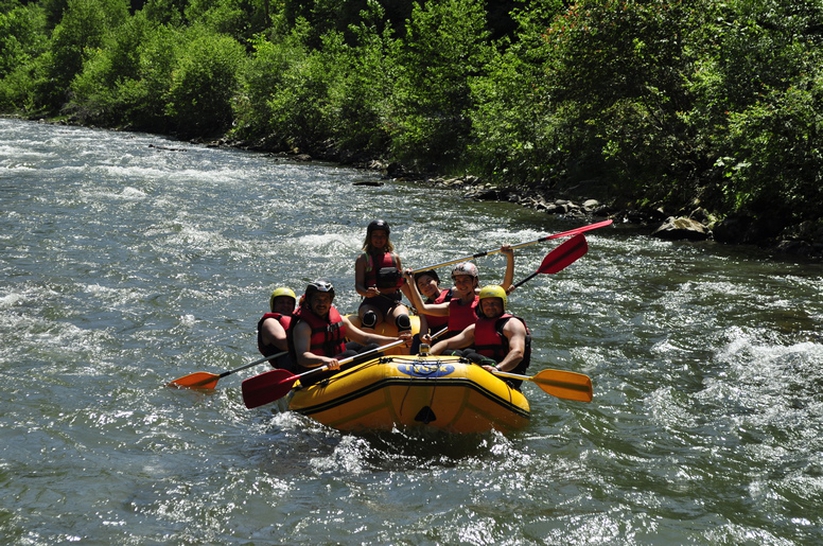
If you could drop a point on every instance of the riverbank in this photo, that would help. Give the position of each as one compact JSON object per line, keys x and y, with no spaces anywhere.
{"x":590,"y":199}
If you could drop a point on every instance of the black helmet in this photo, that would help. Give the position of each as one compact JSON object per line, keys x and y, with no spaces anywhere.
{"x":430,"y":273}
{"x":378,"y":224}
{"x":319,"y":286}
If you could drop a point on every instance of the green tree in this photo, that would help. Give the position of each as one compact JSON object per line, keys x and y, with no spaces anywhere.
{"x":102,"y":93}
{"x":22,"y":35}
{"x":516,"y":138}
{"x":359,"y":94}
{"x":264,"y":85}
{"x":760,"y":97}
{"x":23,"y":39}
{"x":203,"y":84}
{"x":619,"y":73}
{"x":446,"y":44}
{"x":78,"y":35}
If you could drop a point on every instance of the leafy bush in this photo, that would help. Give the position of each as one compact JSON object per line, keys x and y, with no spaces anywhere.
{"x":81,"y":31}
{"x":203,"y":83}
{"x":446,"y":44}
{"x":515,"y":131}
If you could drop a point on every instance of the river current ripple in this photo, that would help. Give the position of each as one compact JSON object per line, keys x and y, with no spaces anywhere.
{"x":128,"y":260}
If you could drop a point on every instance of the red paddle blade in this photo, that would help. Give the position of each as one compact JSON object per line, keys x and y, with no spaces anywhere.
{"x":564,"y":255}
{"x":197,"y":380}
{"x":267,"y":387}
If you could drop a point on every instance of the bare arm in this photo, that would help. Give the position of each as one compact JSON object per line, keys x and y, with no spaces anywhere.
{"x":434,"y":309}
{"x":460,"y":341}
{"x":508,"y":277}
{"x":273,"y":333}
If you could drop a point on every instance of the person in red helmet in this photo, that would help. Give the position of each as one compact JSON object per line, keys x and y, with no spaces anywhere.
{"x":378,"y":277}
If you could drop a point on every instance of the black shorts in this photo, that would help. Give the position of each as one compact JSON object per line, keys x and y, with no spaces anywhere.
{"x":384,"y":302}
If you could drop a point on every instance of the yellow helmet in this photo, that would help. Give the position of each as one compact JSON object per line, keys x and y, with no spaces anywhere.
{"x":281,"y":291}
{"x":494,"y":291}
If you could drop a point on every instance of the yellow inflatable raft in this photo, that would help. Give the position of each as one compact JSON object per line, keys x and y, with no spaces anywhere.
{"x":440,"y":392}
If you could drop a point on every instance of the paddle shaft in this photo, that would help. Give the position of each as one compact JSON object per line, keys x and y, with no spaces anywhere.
{"x":271,"y":386}
{"x":439,"y":333}
{"x":208,"y":380}
{"x":519,"y":245}
{"x":255,"y":363}
{"x":351,"y":359}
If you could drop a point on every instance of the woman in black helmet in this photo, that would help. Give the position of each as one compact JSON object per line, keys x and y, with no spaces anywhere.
{"x":379,"y":279}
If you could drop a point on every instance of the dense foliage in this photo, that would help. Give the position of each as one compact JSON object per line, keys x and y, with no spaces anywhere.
{"x":673,"y":104}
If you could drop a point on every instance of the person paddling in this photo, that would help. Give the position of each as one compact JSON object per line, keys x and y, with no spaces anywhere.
{"x":461,"y":308}
{"x":272,"y":327}
{"x":317,"y":336}
{"x":378,"y":277}
{"x":493,"y":341}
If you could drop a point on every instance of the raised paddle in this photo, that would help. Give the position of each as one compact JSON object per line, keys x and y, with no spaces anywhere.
{"x":561,"y":257}
{"x":206,"y":380}
{"x":275,"y":384}
{"x":560,"y":383}
{"x":569,"y":233}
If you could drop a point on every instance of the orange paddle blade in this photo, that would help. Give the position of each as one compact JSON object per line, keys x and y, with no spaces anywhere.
{"x":564,"y":384}
{"x":197,"y":380}
{"x":560,"y":383}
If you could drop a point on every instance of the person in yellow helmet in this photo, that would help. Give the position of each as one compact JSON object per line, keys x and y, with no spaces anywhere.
{"x":461,"y":309}
{"x":494,"y":340}
{"x":272,"y":328}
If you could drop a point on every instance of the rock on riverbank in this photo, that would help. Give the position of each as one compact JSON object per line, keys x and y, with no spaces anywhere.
{"x":698,"y":225}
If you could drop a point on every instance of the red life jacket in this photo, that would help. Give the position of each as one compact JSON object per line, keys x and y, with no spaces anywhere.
{"x":327,"y":335}
{"x":461,"y":316}
{"x":383,"y":271}
{"x":435,"y":322}
{"x":284,"y":320}
{"x":490,"y":341}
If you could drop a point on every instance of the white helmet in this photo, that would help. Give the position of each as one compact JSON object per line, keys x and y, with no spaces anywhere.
{"x":465,"y":268}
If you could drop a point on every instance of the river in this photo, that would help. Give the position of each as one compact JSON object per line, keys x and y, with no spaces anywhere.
{"x":130,"y":259}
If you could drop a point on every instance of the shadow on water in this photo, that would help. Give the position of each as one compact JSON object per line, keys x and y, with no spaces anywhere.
{"x":299,"y":443}
{"x":422,"y":447}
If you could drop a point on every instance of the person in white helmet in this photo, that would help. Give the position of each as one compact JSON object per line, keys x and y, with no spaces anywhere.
{"x":461,"y":309}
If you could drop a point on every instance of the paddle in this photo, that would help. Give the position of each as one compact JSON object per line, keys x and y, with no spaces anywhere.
{"x":560,"y":383}
{"x":561,"y":257}
{"x":571,"y":232}
{"x":275,"y":384}
{"x":206,"y":380}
